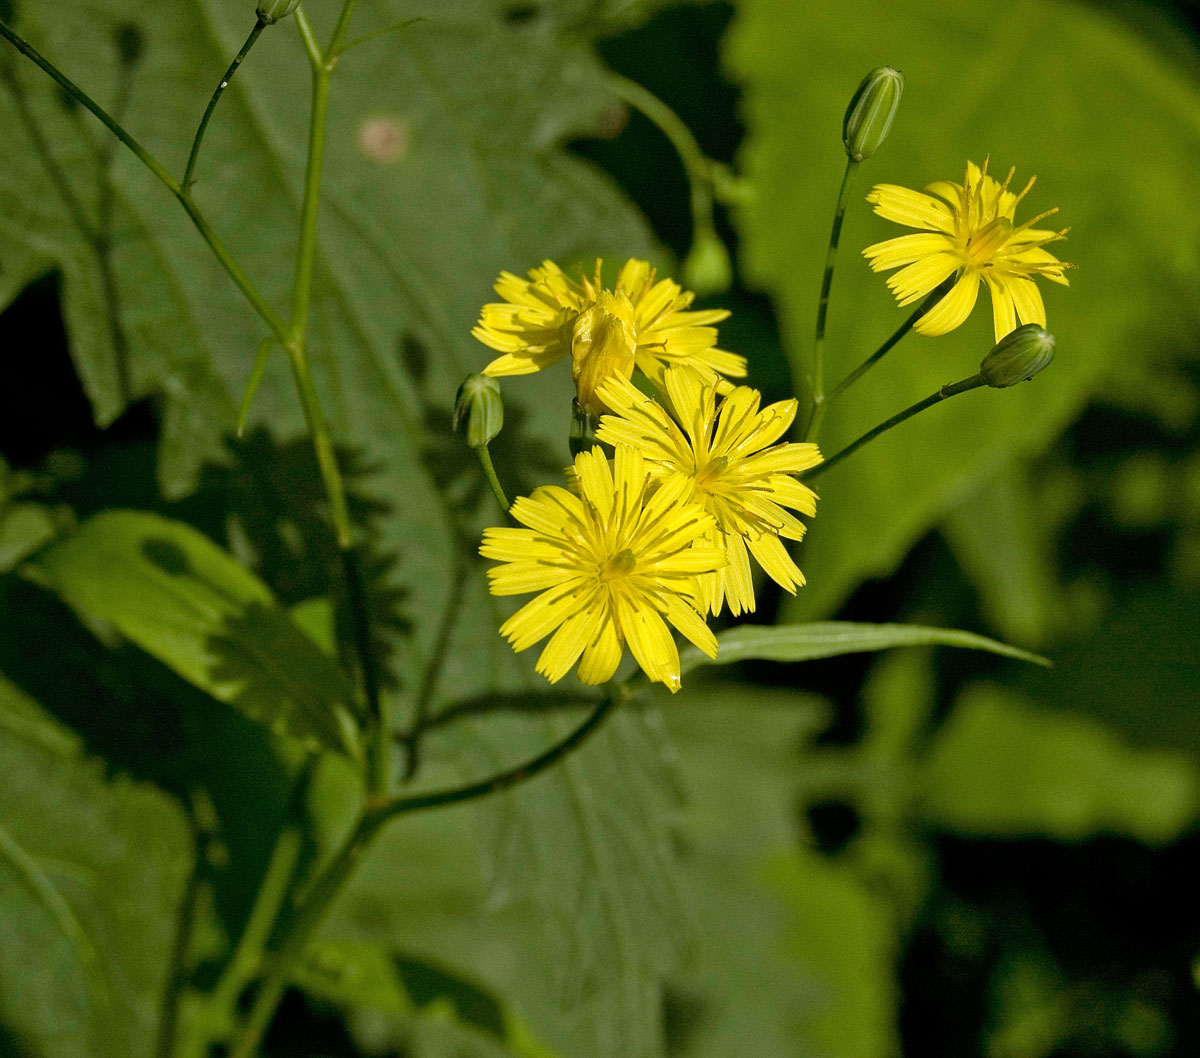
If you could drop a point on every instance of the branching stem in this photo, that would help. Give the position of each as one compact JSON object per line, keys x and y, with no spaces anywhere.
{"x":339,"y":869}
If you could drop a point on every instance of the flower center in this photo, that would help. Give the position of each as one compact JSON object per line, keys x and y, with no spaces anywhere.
{"x":603,"y":343}
{"x":618,"y":566}
{"x":981,"y":245}
{"x":708,"y":474}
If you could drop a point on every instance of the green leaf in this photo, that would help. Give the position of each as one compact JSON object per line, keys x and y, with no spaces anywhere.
{"x":999,"y":534}
{"x":429,"y":1011}
{"x":24,"y":527}
{"x":795,"y":954}
{"x":1004,"y":767}
{"x":182,"y":599}
{"x":1104,"y":97}
{"x":827,"y":639}
{"x":90,"y":873}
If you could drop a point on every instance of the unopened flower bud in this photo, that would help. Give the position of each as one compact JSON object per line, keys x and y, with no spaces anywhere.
{"x":1018,"y":356}
{"x":707,"y":269}
{"x":583,"y":429}
{"x":871,"y":111}
{"x":478,"y":410}
{"x":603,"y":343}
{"x":271,"y":11}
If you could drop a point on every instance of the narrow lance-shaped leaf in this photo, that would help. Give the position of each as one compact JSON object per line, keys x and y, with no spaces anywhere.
{"x":827,"y":639}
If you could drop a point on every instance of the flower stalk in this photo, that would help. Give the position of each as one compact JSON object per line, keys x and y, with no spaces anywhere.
{"x":951,"y":390}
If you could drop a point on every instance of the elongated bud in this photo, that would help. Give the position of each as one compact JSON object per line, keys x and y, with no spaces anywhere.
{"x":707,"y":269}
{"x":583,"y":429}
{"x":1018,"y":356}
{"x":871,"y":111}
{"x":271,"y":11}
{"x":478,"y":410}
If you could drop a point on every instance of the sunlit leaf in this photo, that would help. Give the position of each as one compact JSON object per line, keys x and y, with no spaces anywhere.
{"x":182,"y":599}
{"x":827,"y":639}
{"x":1004,"y":767}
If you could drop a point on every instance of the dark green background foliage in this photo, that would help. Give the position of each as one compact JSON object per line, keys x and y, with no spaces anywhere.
{"x":928,"y":852}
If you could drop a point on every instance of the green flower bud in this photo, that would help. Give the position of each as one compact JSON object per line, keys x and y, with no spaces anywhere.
{"x":271,"y":11}
{"x":478,"y":410}
{"x":1018,"y":356}
{"x":582,"y":437}
{"x":870,"y":113}
{"x":707,"y":268}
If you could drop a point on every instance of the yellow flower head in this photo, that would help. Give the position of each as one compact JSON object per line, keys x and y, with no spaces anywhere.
{"x":611,"y":564}
{"x":723,"y":456}
{"x":642,"y":323}
{"x":972,"y":234}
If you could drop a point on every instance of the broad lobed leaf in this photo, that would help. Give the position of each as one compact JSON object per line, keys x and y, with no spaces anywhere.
{"x":182,"y":599}
{"x":91,"y":870}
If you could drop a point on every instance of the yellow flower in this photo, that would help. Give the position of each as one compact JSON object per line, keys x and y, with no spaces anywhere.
{"x":724,"y":456}
{"x":973,"y":235}
{"x":610,"y":564}
{"x":642,"y":323}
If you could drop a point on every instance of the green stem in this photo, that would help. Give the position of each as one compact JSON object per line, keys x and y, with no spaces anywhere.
{"x":817,"y":383}
{"x":489,"y":472}
{"x":696,"y":164}
{"x":306,"y":252}
{"x":316,"y":902}
{"x":934,"y":296}
{"x":339,"y":33}
{"x":220,"y":251}
{"x":86,"y":101}
{"x":360,"y":617}
{"x":329,"y":883}
{"x":511,"y":777}
{"x":185,"y":928}
{"x":194,"y":156}
{"x":967,"y":384}
{"x":272,"y":894}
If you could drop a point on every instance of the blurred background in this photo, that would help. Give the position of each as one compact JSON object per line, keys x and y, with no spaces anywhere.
{"x":927,"y":853}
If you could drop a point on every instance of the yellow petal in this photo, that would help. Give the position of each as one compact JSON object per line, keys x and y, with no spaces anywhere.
{"x":602,"y":654}
{"x":521,"y":578}
{"x":773,"y":557}
{"x":916,"y":280}
{"x":1027,"y":300}
{"x":691,"y":625}
{"x":522,"y":363}
{"x":911,"y":208}
{"x":541,"y":615}
{"x":1004,"y":313}
{"x":649,"y":641}
{"x":566,"y":645}
{"x":550,"y":509}
{"x":953,"y":309}
{"x":595,"y":481}
{"x":892,"y":253}
{"x":739,"y":583}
